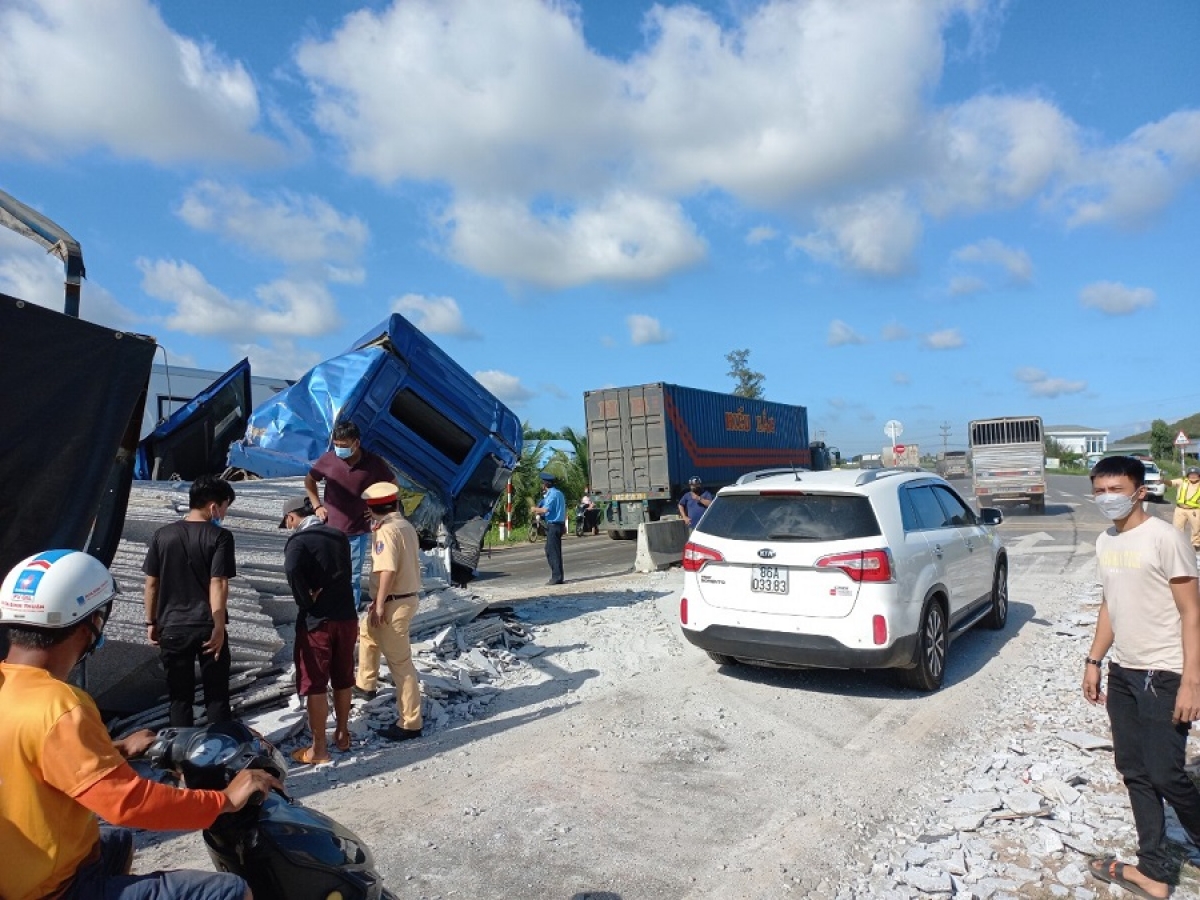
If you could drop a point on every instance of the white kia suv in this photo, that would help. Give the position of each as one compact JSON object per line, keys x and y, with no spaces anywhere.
{"x":842,"y":569}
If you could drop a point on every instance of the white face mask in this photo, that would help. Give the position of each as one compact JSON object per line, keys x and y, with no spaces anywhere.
{"x":1114,"y":506}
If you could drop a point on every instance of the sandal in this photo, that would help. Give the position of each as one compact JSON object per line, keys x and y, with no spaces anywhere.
{"x":305,"y":757}
{"x":1109,"y":870}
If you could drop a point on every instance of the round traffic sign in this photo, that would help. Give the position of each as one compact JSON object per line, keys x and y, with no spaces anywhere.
{"x":893,"y":429}
{"x":899,"y":448}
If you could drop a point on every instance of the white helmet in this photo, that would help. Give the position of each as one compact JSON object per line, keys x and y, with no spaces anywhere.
{"x":55,"y":589}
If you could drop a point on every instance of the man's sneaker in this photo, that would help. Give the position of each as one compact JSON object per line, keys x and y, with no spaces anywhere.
{"x":395,"y":733}
{"x":359,"y":694}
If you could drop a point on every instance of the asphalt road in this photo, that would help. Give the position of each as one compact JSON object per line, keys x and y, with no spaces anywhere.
{"x":584,"y":558}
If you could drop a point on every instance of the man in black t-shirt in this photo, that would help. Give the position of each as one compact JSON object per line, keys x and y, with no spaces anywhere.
{"x":187,"y":568}
{"x":317,"y":563}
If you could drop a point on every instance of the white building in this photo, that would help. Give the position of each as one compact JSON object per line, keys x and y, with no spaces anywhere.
{"x":1078,"y":439}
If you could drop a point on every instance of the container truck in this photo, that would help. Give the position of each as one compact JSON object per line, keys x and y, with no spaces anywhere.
{"x":1008,"y":461}
{"x":646,"y":441}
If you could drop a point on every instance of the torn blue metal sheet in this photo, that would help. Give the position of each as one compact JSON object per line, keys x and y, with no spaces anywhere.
{"x":446,"y":434}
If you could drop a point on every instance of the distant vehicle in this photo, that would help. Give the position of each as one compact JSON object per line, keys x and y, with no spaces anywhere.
{"x":1156,"y":488}
{"x":646,"y":441}
{"x":1008,"y":461}
{"x":843,"y":569}
{"x":953,"y":464}
{"x":452,"y":443}
{"x":902,"y":456}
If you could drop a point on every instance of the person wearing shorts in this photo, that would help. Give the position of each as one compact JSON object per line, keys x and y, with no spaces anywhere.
{"x":317,"y":562}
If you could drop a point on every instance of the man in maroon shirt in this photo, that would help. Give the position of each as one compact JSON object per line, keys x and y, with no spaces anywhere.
{"x":347,"y":471}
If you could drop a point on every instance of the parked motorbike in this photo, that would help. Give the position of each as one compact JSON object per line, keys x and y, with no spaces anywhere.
{"x":283,"y":850}
{"x":586,"y":519}
{"x":537,"y":528}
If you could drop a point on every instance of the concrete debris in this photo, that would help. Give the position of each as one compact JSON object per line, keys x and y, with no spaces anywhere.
{"x":1032,"y":803}
{"x":464,"y":658}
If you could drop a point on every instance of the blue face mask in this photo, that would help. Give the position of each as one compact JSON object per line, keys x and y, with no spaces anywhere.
{"x":344,"y":452}
{"x":217,"y":520}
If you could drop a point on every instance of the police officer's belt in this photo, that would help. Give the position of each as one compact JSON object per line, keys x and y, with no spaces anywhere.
{"x":391,"y":597}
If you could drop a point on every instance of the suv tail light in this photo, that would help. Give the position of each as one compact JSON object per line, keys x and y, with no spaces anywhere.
{"x":695,"y":556}
{"x":861,"y":565}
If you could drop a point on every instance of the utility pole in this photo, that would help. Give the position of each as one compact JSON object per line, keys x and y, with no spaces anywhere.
{"x":945,"y":429}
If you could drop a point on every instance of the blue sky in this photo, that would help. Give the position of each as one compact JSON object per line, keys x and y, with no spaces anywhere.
{"x":924,"y":211}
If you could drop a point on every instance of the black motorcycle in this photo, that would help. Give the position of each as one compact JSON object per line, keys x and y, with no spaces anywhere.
{"x":586,"y":519}
{"x":282,"y":849}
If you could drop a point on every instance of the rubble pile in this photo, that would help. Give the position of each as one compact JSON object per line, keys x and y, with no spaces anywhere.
{"x":1034,"y":796}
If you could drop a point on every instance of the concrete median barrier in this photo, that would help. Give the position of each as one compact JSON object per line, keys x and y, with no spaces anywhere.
{"x":660,"y":544}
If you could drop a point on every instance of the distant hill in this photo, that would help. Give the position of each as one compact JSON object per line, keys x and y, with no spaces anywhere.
{"x":1189,"y":426}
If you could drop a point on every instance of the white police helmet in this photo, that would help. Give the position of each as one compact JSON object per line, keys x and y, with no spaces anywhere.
{"x":55,"y":589}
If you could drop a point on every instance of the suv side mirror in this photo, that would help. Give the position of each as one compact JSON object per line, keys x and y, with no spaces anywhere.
{"x":989,"y":515}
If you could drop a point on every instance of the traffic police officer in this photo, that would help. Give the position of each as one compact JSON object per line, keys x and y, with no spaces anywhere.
{"x":395,"y":590}
{"x":1187,"y":504}
{"x":554,"y":509}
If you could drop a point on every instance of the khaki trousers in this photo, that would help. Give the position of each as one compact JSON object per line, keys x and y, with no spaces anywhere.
{"x":391,"y":641}
{"x":1185,"y":517}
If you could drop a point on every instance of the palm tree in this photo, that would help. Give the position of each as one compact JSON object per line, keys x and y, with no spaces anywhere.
{"x":579,"y":445}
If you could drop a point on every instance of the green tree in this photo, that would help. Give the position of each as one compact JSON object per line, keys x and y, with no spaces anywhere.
{"x":1162,"y":442}
{"x":748,"y":383}
{"x":579,"y":446}
{"x":539,"y":434}
{"x":1065,"y":457}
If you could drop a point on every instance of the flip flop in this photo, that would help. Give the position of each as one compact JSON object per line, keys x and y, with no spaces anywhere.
{"x":1110,"y":871}
{"x":343,"y":743}
{"x":305,"y":757}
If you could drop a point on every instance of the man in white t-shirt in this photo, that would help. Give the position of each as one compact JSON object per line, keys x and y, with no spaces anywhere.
{"x":1150,"y":619}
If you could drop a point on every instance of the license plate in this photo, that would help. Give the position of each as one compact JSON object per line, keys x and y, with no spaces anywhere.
{"x":769,"y":580}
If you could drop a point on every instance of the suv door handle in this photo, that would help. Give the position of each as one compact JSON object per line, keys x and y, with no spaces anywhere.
{"x":970,"y":546}
{"x":937,"y":550}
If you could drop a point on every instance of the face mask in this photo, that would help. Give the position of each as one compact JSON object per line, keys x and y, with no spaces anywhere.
{"x":1114,"y":506}
{"x":344,"y":452}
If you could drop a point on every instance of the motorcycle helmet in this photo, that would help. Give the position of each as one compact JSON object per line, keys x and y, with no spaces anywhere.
{"x":695,"y":479}
{"x":55,"y":589}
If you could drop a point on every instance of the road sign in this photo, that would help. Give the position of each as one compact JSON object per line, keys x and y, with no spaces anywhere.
{"x":1181,"y":440}
{"x":899,"y":448}
{"x":893,"y":429}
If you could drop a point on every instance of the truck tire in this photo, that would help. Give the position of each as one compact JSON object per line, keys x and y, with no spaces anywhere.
{"x":1038,"y":506}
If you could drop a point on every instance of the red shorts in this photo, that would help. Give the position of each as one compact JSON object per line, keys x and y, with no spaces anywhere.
{"x":325,"y":656}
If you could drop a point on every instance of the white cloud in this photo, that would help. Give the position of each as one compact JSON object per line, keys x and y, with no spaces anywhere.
{"x":991,"y":252}
{"x":894,"y":331}
{"x":295,"y":229}
{"x":1040,"y":384}
{"x":623,"y":238}
{"x":277,"y":359}
{"x":840,"y":334}
{"x":995,"y":152}
{"x":965,"y":285}
{"x":286,"y":307}
{"x":817,"y":109}
{"x":876,"y":235}
{"x":1128,"y":183}
{"x":112,"y":75}
{"x":646,"y":330}
{"x":901,"y":378}
{"x":760,"y":235}
{"x":506,"y":387}
{"x":946,"y":339}
{"x":434,"y":315}
{"x":27,"y":272}
{"x":1116,"y":299}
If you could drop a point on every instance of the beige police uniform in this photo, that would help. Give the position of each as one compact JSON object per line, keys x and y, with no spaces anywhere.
{"x":394,"y":548}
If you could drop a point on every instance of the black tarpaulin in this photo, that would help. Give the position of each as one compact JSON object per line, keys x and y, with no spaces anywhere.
{"x":71,"y":394}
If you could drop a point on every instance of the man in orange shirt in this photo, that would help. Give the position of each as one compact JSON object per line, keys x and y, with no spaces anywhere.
{"x":59,"y":767}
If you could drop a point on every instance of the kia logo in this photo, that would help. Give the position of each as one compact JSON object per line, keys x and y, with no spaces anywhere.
{"x":766,"y":554}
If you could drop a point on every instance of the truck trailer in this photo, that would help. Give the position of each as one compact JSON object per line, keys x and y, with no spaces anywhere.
{"x":646,"y":441}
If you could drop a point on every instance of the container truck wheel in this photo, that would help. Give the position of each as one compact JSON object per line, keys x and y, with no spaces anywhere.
{"x":1038,"y":506}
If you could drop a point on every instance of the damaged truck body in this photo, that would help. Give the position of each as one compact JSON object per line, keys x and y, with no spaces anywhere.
{"x":452,"y":444}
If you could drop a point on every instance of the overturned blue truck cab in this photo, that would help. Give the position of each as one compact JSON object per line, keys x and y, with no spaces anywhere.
{"x":452,"y":443}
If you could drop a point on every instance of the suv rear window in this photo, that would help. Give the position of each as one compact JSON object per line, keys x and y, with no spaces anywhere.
{"x":789,"y":517}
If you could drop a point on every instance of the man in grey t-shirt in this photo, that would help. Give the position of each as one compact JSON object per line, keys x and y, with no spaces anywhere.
{"x":1150,"y":618}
